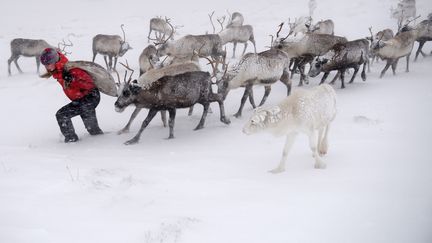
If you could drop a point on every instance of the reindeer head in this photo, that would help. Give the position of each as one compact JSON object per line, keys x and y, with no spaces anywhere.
{"x":316,"y":66}
{"x":127,"y":92}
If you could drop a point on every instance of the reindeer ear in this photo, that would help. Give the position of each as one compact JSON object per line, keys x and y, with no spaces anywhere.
{"x":135,"y":88}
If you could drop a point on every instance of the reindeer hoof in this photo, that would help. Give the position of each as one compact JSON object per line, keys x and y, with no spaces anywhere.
{"x":122,"y":131}
{"x":199,"y":127}
{"x":277,"y":170}
{"x":225,"y":120}
{"x":132,"y":141}
{"x":320,"y":165}
{"x":237,"y":115}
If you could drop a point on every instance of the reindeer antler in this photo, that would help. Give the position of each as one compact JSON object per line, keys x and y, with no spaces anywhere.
{"x":221,"y":20}
{"x":211,"y":21}
{"x":124,"y":34}
{"x":162,"y":39}
{"x":280,"y":28}
{"x":64,"y":44}
{"x":128,"y":68}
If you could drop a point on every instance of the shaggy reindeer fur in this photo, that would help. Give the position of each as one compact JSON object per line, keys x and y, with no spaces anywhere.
{"x":304,"y":111}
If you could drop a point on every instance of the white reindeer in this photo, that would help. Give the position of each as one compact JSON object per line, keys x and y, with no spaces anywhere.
{"x":304,"y":111}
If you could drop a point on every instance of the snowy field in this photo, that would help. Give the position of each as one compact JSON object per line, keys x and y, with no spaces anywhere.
{"x":211,"y":185}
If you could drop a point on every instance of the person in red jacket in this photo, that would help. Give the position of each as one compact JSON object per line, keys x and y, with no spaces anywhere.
{"x":79,"y":87}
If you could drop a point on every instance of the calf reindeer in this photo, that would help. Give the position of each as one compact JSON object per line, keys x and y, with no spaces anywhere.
{"x":28,"y":48}
{"x":304,"y":111}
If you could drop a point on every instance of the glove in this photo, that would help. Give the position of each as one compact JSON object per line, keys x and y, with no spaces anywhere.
{"x":68,"y":78}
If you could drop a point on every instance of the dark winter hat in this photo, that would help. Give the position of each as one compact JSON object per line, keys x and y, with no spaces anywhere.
{"x":49,"y":56}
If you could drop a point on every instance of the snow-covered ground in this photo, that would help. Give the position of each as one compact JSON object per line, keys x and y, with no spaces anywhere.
{"x":211,"y":185}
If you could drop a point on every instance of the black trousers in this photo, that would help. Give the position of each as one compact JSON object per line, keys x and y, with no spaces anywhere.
{"x":84,"y":107}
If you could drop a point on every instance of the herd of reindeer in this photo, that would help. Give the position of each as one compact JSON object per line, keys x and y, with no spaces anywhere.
{"x":170,"y":75}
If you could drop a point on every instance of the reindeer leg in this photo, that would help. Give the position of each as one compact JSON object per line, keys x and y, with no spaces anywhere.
{"x":303,"y":76}
{"x":172,"y":114}
{"x":37,"y":63}
{"x":190,"y":111}
{"x":342,"y":73}
{"x":244,"y":49}
{"x":267,"y":90}
{"x":163,"y":118}
{"x":323,"y":144}
{"x":286,"y":80}
{"x":324,"y":77}
{"x":16,"y":64}
{"x":389,"y":62}
{"x":394,"y":66}
{"x":133,"y":116}
{"x":335,"y":77}
{"x":243,"y":100}
{"x":106,"y":63}
{"x":148,"y":37}
{"x":363,"y":74}
{"x":203,"y":117}
{"x":10,"y":60}
{"x":252,"y":98}
{"x":94,"y":56}
{"x":115,"y":62}
{"x":319,"y":164}
{"x":150,"y":116}
{"x":407,"y":63}
{"x":234,"y":48}
{"x":290,"y":138}
{"x":356,"y":69}
{"x":110,"y":63}
{"x":419,"y":50}
{"x":223,"y":117}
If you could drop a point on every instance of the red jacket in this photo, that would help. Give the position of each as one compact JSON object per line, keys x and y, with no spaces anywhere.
{"x":82,"y":83}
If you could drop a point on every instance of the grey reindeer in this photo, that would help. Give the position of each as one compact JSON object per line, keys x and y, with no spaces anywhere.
{"x":305,"y":48}
{"x":27,"y":48}
{"x":385,"y":35}
{"x":399,"y":46}
{"x":161,"y":27}
{"x":235,"y":32}
{"x":264,"y":69}
{"x":171,"y":93}
{"x":111,"y":46}
{"x":341,"y":57}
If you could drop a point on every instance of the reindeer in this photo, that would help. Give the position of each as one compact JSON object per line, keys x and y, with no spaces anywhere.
{"x":152,"y":75}
{"x":111,"y":46}
{"x":304,"y":111}
{"x":148,"y":59}
{"x":424,"y":34}
{"x":322,"y":27}
{"x":308,"y":46}
{"x":235,"y":20}
{"x":170,"y":93}
{"x":351,"y":54}
{"x":238,"y":34}
{"x":264,"y":68}
{"x":27,"y":48}
{"x":397,"y":47}
{"x":385,"y":35}
{"x":161,"y":27}
{"x":209,"y":45}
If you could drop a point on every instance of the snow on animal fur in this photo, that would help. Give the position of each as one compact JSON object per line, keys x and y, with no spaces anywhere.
{"x":304,"y":111}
